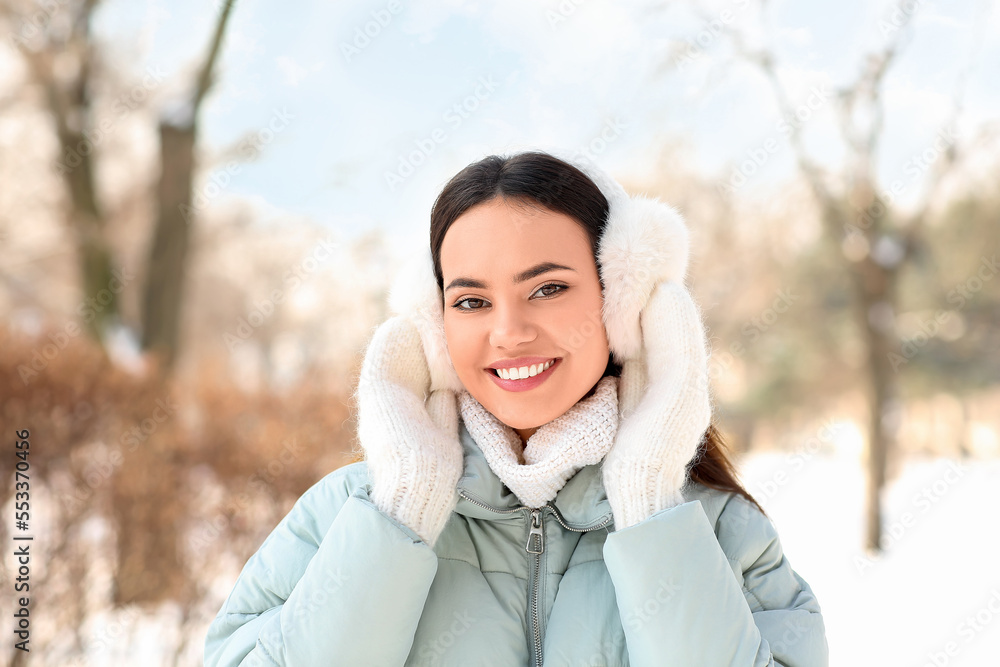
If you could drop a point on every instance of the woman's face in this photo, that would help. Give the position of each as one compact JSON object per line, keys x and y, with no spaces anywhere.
{"x":521,"y":289}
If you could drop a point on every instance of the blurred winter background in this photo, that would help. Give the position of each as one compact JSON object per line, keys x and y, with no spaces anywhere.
{"x":202,"y":205}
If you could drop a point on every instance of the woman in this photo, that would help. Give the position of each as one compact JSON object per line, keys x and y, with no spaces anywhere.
{"x":542,"y":481}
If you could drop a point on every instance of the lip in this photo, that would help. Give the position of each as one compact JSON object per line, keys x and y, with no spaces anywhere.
{"x":527,"y":383}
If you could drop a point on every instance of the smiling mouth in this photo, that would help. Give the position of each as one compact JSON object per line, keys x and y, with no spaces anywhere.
{"x":523,"y":372}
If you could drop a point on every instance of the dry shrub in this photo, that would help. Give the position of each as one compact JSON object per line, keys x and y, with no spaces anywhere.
{"x":135,"y":449}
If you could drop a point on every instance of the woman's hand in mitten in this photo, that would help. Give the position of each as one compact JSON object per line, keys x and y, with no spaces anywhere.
{"x":410,"y":440}
{"x":646,"y":467}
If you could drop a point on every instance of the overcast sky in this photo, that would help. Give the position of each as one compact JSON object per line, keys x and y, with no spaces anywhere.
{"x":363,"y":94}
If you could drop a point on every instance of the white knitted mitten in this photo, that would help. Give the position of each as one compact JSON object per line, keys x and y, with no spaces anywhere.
{"x":646,"y":468}
{"x":411,"y":445}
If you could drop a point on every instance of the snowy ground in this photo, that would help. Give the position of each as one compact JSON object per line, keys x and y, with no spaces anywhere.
{"x":933,"y":597}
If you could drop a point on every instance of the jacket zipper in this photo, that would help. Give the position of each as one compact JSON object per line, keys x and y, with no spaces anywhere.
{"x":558,"y":516}
{"x":536,"y":527}
{"x":536,"y":567}
{"x":492,"y":509}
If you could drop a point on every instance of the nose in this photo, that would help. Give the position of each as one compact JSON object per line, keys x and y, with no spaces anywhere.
{"x":511,"y":327}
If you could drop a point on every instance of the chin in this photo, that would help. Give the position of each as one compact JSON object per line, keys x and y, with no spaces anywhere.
{"x":516,"y":416}
{"x":509,"y":412}
{"x":512,"y":417}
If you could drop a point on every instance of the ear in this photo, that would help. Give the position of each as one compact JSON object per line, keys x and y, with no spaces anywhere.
{"x":415,"y":294}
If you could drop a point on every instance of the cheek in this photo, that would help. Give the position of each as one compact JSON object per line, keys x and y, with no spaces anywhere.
{"x":460,"y":348}
{"x":585,"y":327}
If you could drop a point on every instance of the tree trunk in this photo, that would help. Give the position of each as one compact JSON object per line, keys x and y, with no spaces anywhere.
{"x":874,"y":288}
{"x":85,"y":218}
{"x":873,"y":285}
{"x":161,"y":317}
{"x":881,"y":425}
{"x":148,"y":511}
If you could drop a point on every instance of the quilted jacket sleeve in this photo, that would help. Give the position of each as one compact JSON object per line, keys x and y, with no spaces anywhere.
{"x":682,"y":605}
{"x":331,"y":571}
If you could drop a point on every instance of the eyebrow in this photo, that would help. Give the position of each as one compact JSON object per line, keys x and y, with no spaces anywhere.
{"x":527,"y":274}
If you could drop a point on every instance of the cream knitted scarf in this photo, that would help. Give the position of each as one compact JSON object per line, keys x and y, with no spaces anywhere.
{"x":555,"y":452}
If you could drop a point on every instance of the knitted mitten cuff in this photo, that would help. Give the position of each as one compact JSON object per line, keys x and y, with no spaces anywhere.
{"x":414,"y":456}
{"x":646,"y":469}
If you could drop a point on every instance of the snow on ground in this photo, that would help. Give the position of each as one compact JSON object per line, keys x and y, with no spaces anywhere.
{"x":931,"y":600}
{"x":933,"y":597}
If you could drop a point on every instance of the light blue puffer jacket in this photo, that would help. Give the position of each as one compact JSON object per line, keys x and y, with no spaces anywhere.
{"x":338,"y":582}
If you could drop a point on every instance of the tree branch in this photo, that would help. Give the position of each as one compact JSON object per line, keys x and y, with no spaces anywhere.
{"x":205,"y":76}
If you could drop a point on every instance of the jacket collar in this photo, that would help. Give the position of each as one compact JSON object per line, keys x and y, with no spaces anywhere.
{"x":581,"y":502}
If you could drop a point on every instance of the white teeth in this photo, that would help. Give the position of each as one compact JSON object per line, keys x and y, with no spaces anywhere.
{"x":523,"y":371}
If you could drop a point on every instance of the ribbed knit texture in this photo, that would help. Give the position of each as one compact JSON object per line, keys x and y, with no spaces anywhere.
{"x":556,"y":451}
{"x":414,"y":455}
{"x":644,"y":472}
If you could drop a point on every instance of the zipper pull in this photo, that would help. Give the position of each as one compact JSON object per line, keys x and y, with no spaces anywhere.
{"x":536,"y":529}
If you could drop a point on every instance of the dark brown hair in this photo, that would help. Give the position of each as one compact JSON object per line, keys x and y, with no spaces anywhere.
{"x":537,"y":179}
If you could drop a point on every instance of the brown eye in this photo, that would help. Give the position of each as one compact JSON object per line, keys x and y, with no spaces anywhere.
{"x":456,"y":306}
{"x":562,"y":288}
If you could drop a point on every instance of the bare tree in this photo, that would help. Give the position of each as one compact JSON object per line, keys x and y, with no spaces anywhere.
{"x":57,"y":47}
{"x":161,"y":306}
{"x":62,"y":58}
{"x":879,"y":241}
{"x":149,"y":566}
